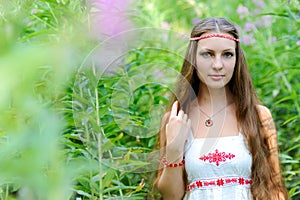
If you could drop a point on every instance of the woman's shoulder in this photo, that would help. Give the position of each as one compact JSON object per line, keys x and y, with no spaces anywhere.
{"x":263,"y":112}
{"x":266,"y":120}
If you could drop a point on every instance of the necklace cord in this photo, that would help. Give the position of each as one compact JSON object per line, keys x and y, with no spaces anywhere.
{"x":209,"y":122}
{"x":216,"y":112}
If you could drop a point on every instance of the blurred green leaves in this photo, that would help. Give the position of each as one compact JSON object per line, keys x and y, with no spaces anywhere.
{"x":36,"y":63}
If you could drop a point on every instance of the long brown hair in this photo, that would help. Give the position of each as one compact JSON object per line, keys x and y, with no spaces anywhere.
{"x":262,"y":173}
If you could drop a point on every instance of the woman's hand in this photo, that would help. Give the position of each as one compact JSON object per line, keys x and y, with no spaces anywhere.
{"x":177,"y":130}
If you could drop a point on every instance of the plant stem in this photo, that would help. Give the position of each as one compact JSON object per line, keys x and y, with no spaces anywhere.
{"x":99,"y":137}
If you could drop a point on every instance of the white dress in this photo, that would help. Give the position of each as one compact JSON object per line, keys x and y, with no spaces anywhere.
{"x":218,"y":168}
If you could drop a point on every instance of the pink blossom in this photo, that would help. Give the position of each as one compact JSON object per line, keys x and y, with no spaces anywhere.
{"x":248,"y":39}
{"x":256,"y":11}
{"x":259,"y":3}
{"x":265,"y":21}
{"x":158,"y":74}
{"x":249,"y":26}
{"x":242,"y":10}
{"x":109,"y":17}
{"x":272,"y":40}
{"x":195,"y":21}
{"x":165,"y":24}
{"x":298,"y":43}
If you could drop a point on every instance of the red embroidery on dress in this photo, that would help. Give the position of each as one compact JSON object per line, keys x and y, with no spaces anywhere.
{"x":217,"y":157}
{"x":199,"y":184}
{"x":219,"y":182}
{"x":241,"y":181}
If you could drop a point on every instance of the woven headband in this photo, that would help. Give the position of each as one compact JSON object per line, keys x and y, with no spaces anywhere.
{"x":215,"y":35}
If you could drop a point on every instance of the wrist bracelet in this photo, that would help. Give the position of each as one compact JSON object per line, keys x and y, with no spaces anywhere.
{"x":181,"y":163}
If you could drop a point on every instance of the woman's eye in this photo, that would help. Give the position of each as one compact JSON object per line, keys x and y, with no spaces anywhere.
{"x":206,"y":54}
{"x":228,"y":54}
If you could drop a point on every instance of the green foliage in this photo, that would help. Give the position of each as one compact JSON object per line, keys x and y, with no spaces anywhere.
{"x":80,"y":115}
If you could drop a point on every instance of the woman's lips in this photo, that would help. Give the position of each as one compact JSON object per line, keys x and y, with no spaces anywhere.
{"x":216,"y":77}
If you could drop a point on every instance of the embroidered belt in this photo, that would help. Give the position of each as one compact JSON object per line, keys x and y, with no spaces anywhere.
{"x":218,"y":182}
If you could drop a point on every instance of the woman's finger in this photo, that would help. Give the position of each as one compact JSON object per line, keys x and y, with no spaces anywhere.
{"x":180,"y":114}
{"x":184,"y":118}
{"x":174,"y":109}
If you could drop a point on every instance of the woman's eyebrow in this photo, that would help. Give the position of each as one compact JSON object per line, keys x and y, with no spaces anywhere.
{"x":206,"y":49}
{"x":230,"y":49}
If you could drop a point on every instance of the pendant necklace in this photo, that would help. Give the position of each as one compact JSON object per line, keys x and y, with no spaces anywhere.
{"x":209,"y":122}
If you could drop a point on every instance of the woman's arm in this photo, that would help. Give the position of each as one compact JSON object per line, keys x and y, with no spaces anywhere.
{"x":269,"y":131}
{"x":174,"y":131}
{"x":171,"y":183}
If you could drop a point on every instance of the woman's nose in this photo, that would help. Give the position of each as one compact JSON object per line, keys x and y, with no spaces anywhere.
{"x":218,"y":63}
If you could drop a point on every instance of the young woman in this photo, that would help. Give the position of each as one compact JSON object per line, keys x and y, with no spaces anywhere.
{"x":216,"y":140}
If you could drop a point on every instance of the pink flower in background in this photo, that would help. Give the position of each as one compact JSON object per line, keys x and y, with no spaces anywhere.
{"x":298,"y":43}
{"x":248,"y":39}
{"x":195,"y":21}
{"x":272,"y":40}
{"x":165,"y":24}
{"x":265,"y":21}
{"x":249,"y":27}
{"x":242,"y":11}
{"x":109,"y":17}
{"x":110,"y":22}
{"x":256,"y":11}
{"x":158,"y":74}
{"x":259,"y":3}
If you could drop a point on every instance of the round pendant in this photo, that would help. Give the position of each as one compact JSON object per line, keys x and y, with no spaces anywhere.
{"x":209,"y":123}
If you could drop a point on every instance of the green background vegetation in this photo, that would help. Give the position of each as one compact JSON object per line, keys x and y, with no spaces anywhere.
{"x":80,"y":110}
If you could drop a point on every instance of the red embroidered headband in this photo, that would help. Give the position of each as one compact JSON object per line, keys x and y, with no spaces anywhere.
{"x":215,"y":35}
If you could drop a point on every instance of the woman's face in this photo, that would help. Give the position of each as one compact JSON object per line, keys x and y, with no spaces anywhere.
{"x":215,"y":61}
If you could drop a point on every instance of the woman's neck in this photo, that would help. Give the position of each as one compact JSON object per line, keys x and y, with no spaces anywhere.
{"x":214,"y":99}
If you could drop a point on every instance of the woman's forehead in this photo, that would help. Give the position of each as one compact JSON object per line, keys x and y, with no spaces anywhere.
{"x":216,"y":43}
